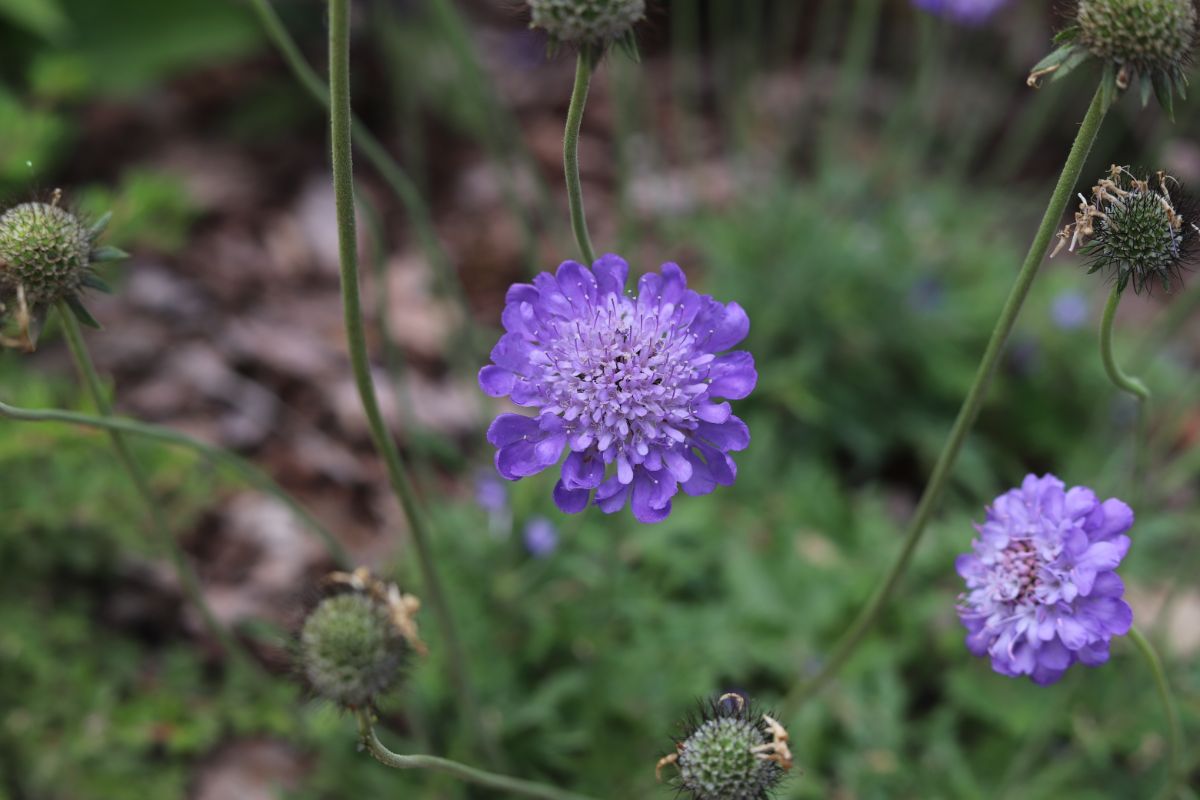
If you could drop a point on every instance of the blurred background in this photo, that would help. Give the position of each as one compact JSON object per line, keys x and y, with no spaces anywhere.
{"x":863,"y":177}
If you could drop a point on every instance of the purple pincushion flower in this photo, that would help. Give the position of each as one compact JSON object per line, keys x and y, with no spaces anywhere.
{"x":969,"y":12}
{"x":636,"y":383}
{"x":1041,"y":590}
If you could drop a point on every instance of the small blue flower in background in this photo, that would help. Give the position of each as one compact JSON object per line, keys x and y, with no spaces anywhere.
{"x":1042,"y":592}
{"x":541,"y":537}
{"x":1069,"y":310}
{"x":635,"y":382}
{"x":490,"y":493}
{"x":968,"y":12}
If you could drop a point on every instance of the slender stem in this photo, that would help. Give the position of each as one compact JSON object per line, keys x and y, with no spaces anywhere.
{"x":1174,"y":729}
{"x":939,"y":478}
{"x":1126,"y":383}
{"x":246,"y":470}
{"x":583,"y":77}
{"x":491,"y":780}
{"x":158,"y":518}
{"x":343,"y":186}
{"x":396,"y":178}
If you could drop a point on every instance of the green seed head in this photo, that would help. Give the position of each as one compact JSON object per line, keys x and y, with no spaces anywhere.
{"x":351,"y":649}
{"x":1142,"y":232}
{"x":1148,"y":35}
{"x":730,"y":754}
{"x":586,"y":22}
{"x":44,"y":249}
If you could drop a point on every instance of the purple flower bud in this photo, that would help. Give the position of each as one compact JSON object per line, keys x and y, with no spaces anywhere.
{"x":1042,"y":591}
{"x":541,"y":538}
{"x":634,"y":383}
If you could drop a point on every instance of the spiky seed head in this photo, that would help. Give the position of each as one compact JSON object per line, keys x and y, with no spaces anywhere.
{"x":1148,"y":35}
{"x":586,"y":22}
{"x":1142,"y":232}
{"x":352,"y":650}
{"x":722,"y":756}
{"x":46,"y":250}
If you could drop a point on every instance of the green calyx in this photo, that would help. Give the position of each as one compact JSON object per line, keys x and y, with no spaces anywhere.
{"x":591,"y":25}
{"x":729,"y":755}
{"x":47,"y":257}
{"x":1147,"y":42}
{"x":351,"y":649}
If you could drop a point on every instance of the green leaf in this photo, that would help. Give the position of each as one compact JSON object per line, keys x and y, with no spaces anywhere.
{"x":99,"y":225}
{"x":1055,"y":59}
{"x":629,"y":46}
{"x":93,"y":281}
{"x":1144,"y":88}
{"x":1077,"y":57}
{"x":1162,"y":90}
{"x":1108,"y":85}
{"x":81,"y":313}
{"x":43,"y":17}
{"x":108,"y":253}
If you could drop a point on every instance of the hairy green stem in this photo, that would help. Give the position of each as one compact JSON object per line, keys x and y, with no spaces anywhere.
{"x":356,"y":340}
{"x":491,"y":780}
{"x":1174,"y":729}
{"x":405,"y":189}
{"x":246,"y":470}
{"x":583,"y":78}
{"x":967,"y":414}
{"x":158,"y":518}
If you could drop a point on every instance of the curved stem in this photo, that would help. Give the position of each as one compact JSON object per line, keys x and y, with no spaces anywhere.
{"x":246,"y":470}
{"x":158,"y":518}
{"x":343,"y":186}
{"x":491,"y":780}
{"x":1174,"y":729}
{"x":1126,"y":383}
{"x":583,"y":78}
{"x":967,"y":414}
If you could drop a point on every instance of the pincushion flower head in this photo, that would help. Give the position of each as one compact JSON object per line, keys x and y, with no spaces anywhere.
{"x":47,"y":256}
{"x":1149,"y":42}
{"x":1142,"y":232}
{"x":634,"y":388}
{"x":1042,"y":592}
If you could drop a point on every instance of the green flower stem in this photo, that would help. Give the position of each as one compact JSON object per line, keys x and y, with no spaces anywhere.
{"x":491,"y":780}
{"x":356,"y":340}
{"x":939,"y":478}
{"x":187,"y":578}
{"x":583,"y":78}
{"x":1174,"y":729}
{"x":245,"y":470}
{"x":1126,"y":383}
{"x":396,"y":178}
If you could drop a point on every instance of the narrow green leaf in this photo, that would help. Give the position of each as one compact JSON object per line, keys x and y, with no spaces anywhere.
{"x":93,"y":281}
{"x":1144,"y":88}
{"x":1162,"y":90}
{"x":108,"y":253}
{"x":1108,"y":85}
{"x":81,"y":313}
{"x":99,"y":226}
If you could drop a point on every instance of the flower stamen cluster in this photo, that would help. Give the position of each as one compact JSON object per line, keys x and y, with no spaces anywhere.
{"x":638,"y":384}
